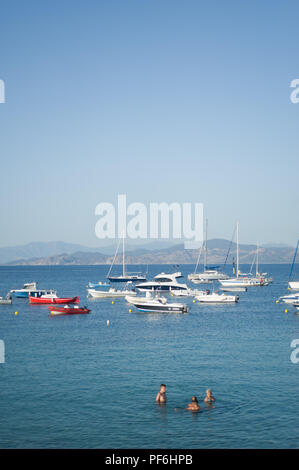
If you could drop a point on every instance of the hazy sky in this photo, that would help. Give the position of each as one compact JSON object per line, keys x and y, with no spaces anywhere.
{"x":162,"y":100}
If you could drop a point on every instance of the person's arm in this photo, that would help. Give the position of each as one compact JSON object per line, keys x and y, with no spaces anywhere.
{"x":158,"y":397}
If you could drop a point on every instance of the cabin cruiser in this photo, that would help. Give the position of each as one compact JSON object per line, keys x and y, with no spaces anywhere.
{"x":163,"y":282}
{"x":158,"y":304}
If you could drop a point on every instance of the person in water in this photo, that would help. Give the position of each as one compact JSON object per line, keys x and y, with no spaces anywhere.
{"x":161,"y":396}
{"x":193,"y":406}
{"x":209,"y":397}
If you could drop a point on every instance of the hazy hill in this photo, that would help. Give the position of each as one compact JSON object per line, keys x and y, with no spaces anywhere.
{"x":217,"y":253}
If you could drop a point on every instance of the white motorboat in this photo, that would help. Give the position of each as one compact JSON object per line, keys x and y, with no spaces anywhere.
{"x":215,"y":298}
{"x":111,"y":293}
{"x":193,"y":278}
{"x":186,"y":293}
{"x":162,"y":282}
{"x":156,"y":304}
{"x":290,"y":299}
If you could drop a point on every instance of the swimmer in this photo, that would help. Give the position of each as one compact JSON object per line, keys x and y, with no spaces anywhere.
{"x":209,"y":397}
{"x":193,"y":406}
{"x":161,"y":396}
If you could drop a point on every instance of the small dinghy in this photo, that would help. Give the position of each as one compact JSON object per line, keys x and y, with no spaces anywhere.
{"x":67,"y":310}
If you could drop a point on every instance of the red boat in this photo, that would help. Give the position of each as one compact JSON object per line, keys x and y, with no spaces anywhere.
{"x":66,"y":310}
{"x":53,"y":299}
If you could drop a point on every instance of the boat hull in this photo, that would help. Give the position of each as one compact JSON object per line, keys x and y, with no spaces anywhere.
{"x":96,"y":294}
{"x":66,"y":300}
{"x":60,"y":311}
{"x":294,"y":285}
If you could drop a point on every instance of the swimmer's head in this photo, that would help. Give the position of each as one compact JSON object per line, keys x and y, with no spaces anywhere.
{"x":163,"y":388}
{"x":194,"y":399}
{"x":209,"y":392}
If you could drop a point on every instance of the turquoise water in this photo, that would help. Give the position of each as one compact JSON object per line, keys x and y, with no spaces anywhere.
{"x":73,"y":382}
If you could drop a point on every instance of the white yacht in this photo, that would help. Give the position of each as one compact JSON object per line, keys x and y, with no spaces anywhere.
{"x":210,"y":273}
{"x":163,"y":282}
{"x":125,"y":276}
{"x":241,"y":279}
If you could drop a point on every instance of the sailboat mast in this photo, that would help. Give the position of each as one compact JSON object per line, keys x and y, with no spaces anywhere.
{"x":124,"y":255}
{"x":237,"y":249}
{"x":206,"y":246}
{"x":257,"y":259}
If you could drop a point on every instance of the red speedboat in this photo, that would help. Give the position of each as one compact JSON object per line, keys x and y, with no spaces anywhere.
{"x":66,"y":310}
{"x":53,"y":299}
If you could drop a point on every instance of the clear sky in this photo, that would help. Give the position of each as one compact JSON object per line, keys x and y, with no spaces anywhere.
{"x":162,"y":100}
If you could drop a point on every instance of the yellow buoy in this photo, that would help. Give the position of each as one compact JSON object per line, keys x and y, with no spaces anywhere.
{"x":112,"y":302}
{"x":194,"y":301}
{"x":277,"y":301}
{"x":130,"y":311}
{"x":286,"y":311}
{"x":16,"y":313}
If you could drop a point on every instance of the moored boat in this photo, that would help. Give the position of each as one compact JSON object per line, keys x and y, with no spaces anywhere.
{"x":52,"y":298}
{"x":163,"y":282}
{"x":215,"y":298}
{"x":111,"y":293}
{"x":7,"y":300}
{"x":156,"y":304}
{"x":67,"y":310}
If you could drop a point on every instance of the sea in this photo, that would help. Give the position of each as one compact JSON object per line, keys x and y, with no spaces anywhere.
{"x":78,"y":382}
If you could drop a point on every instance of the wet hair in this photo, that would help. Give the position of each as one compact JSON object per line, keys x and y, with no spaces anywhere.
{"x":194,"y":399}
{"x":162,"y":385}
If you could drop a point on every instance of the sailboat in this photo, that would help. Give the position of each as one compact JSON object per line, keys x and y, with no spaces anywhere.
{"x":241,"y":280}
{"x":294,"y":284}
{"x":125,"y":276}
{"x":261,"y":276}
{"x":210,"y":273}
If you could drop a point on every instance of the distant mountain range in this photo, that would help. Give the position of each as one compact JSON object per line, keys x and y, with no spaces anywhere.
{"x":61,"y":253}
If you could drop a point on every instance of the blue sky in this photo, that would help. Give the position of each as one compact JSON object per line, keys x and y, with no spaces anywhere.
{"x":160,"y":100}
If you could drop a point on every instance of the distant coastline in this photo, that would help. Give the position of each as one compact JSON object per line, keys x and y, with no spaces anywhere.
{"x":217,"y":253}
